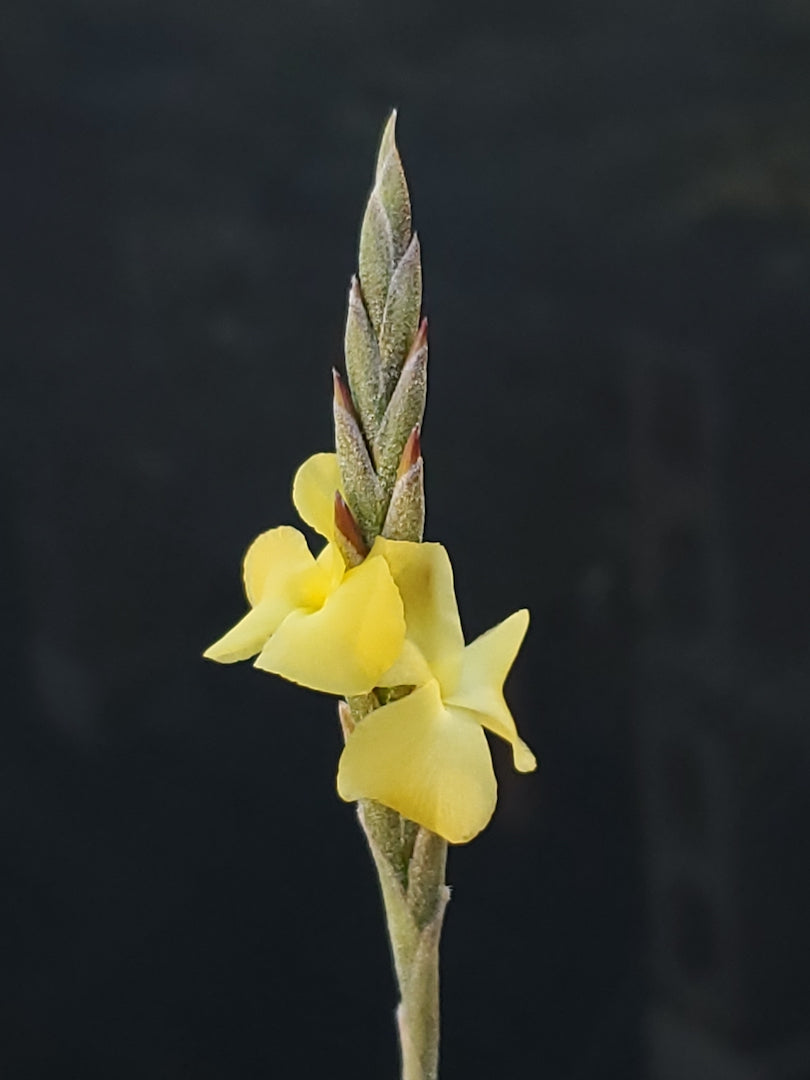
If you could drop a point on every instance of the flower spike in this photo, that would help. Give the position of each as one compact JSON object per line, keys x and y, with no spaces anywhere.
{"x":373,"y":618}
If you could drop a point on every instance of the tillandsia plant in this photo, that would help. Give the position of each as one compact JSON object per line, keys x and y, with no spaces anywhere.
{"x":374,"y":619}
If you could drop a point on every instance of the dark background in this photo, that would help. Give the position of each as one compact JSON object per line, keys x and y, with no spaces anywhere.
{"x":614,"y":206}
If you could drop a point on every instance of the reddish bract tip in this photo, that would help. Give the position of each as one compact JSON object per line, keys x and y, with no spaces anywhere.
{"x":420,"y":341}
{"x":348,"y":527}
{"x":341,"y":392}
{"x":411,"y":452}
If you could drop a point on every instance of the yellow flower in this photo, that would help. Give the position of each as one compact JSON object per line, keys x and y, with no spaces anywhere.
{"x":426,"y":755}
{"x":311,"y":620}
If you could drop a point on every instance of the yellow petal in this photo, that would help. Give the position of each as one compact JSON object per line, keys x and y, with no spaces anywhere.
{"x":274,"y":562}
{"x":345,"y":646}
{"x":409,"y":669}
{"x":314,"y":490}
{"x":429,"y":763}
{"x":250,"y":633}
{"x":424,"y":577}
{"x":331,"y":563}
{"x":311,"y":589}
{"x":484,"y":668}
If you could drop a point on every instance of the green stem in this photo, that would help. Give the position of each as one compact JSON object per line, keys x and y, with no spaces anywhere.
{"x":415,"y":897}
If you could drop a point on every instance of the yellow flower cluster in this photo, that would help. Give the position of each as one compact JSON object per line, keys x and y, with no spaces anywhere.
{"x":391,"y":621}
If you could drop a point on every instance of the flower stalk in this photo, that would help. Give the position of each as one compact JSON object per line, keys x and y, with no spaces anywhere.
{"x":372,"y":617}
{"x":378,"y":419}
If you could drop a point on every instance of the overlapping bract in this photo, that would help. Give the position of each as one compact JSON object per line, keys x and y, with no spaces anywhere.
{"x":391,"y":621}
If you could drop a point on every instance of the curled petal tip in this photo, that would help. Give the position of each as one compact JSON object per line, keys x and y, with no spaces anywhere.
{"x":524,"y":759}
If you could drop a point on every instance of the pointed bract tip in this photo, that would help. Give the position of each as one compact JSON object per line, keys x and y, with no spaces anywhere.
{"x":388,"y":141}
{"x":347,"y":526}
{"x":356,"y":297}
{"x":420,"y":340}
{"x":411,"y":452}
{"x":341,"y":392}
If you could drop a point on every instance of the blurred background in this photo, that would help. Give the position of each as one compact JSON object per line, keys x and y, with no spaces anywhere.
{"x":614,"y":206}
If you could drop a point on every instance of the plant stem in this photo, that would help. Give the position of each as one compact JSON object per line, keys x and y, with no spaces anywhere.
{"x":415,"y":897}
